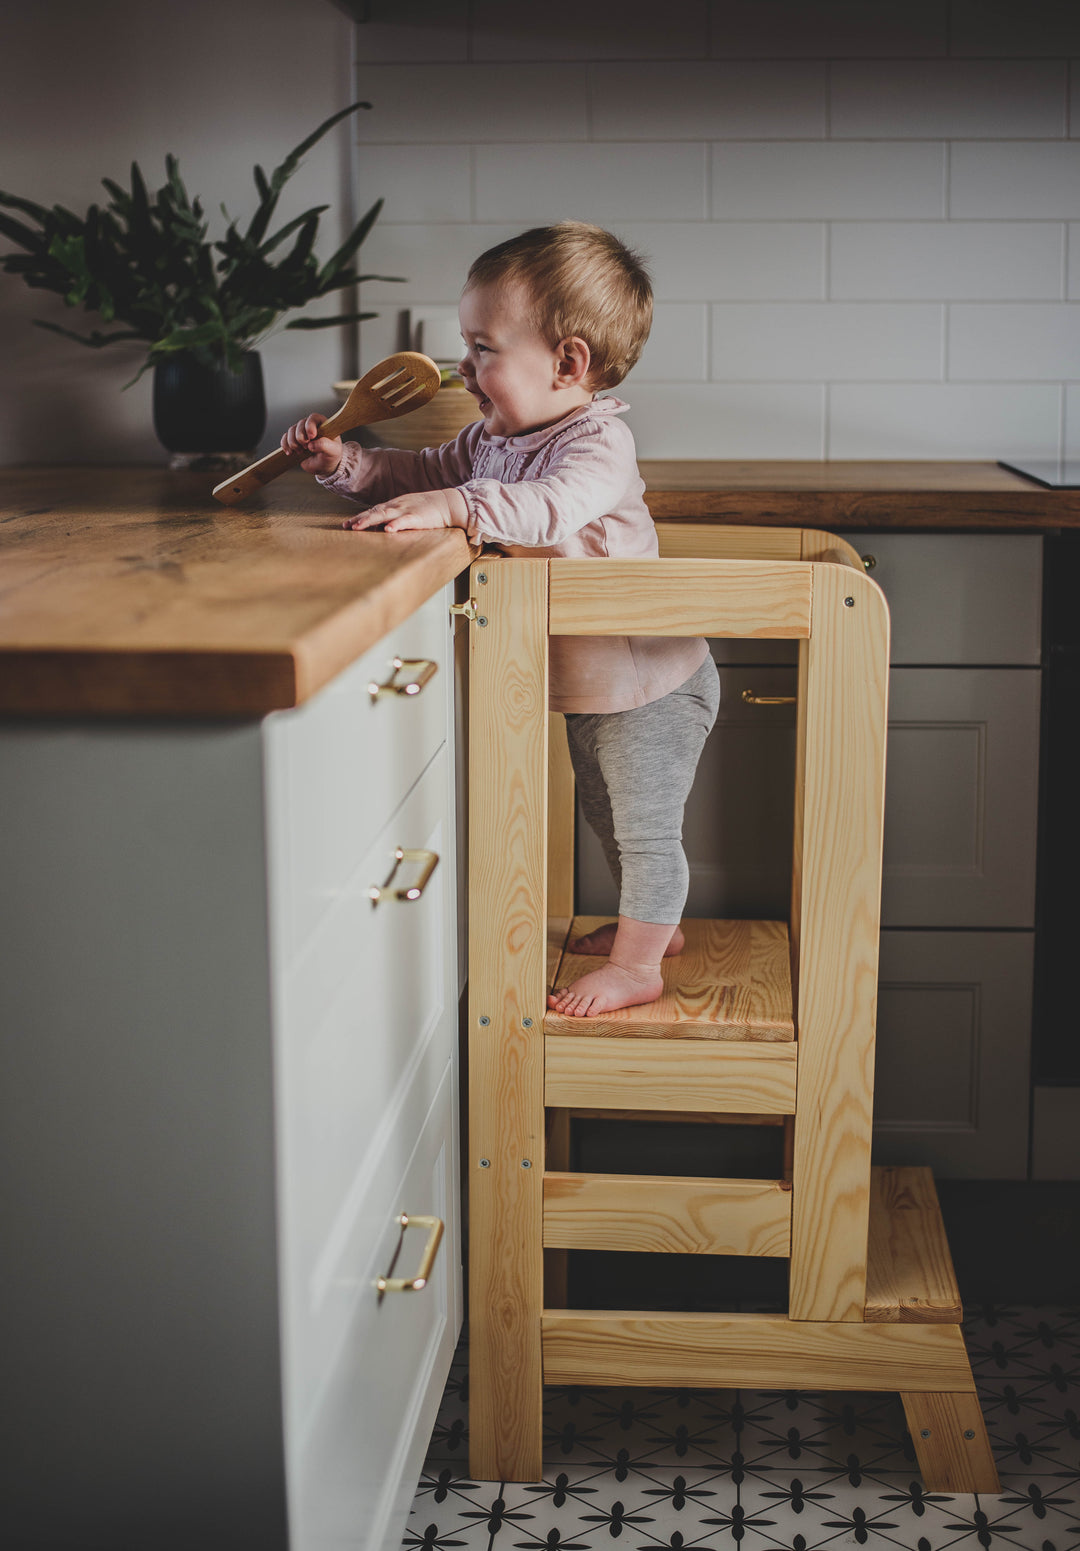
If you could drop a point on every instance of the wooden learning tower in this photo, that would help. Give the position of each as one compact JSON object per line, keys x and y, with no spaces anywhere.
{"x":752,"y":1028}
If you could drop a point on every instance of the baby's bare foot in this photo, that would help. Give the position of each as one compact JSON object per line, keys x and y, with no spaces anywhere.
{"x":605,"y":989}
{"x":602,"y":941}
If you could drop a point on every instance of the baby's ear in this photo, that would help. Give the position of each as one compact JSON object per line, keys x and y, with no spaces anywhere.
{"x":574,"y":362}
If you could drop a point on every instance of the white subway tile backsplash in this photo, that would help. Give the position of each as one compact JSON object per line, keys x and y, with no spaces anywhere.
{"x":417,"y":182}
{"x":434,"y":262}
{"x":864,"y":239}
{"x":948,"y":98}
{"x":538,"y":183}
{"x":708,"y":101}
{"x":406,"y":31}
{"x":1003,"y":180}
{"x":855,"y":180}
{"x":946,"y":420}
{"x":677,"y":348}
{"x":825,"y":341}
{"x":713,"y":421}
{"x":1072,"y":422}
{"x":836,"y":29}
{"x":945,"y":260}
{"x":440,"y":103}
{"x":564,"y":29}
{"x":1003,"y":29}
{"x":731,"y":260}
{"x":1017,"y":342}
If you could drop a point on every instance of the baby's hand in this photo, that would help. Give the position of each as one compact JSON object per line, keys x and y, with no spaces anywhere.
{"x":325,"y":451}
{"x":421,"y":509}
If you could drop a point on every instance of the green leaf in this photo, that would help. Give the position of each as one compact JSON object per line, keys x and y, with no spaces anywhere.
{"x":279,"y":237}
{"x":339,"y":259}
{"x":325,"y":323}
{"x":17,"y":232}
{"x":281,"y":175}
{"x":27,"y":206}
{"x":94,"y":339}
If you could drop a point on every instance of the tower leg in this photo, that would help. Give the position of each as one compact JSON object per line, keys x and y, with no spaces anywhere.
{"x":951,"y":1442}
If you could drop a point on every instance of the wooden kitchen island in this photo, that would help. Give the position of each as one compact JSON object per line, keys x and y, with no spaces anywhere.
{"x":225,"y":1070}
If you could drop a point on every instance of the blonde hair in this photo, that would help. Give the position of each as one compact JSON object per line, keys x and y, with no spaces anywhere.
{"x":581,"y":280}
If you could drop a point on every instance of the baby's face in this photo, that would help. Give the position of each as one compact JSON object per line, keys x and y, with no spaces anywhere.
{"x":509,"y":368}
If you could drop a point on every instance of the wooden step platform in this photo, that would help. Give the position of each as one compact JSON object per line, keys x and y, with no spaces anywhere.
{"x":731,"y":981}
{"x":909,"y":1272}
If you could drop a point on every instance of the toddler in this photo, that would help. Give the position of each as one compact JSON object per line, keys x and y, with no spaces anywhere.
{"x":549,"y":319}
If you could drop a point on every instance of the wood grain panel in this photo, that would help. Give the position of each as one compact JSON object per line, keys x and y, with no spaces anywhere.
{"x":841,"y":771}
{"x":762,"y":1351}
{"x":131,"y":591}
{"x":766,"y":600}
{"x":731,"y":981}
{"x":909,"y":1271}
{"x":507,"y":960}
{"x":659,"y":1074}
{"x":669,"y":1214}
{"x":717,"y":541}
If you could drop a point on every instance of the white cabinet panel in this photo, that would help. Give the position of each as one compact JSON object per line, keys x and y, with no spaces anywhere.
{"x":340,"y":764}
{"x":953,"y":1040}
{"x":961,"y":798}
{"x":959,"y":598}
{"x":357,"y":1456}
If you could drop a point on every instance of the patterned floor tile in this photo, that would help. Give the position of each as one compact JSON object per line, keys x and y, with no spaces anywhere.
{"x":740,"y":1470}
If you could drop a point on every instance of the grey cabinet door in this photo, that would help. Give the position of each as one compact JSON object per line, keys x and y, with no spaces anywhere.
{"x":953,"y":1040}
{"x":959,"y":598}
{"x":961,"y":797}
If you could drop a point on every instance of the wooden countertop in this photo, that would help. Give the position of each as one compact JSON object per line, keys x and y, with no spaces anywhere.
{"x":933,"y":496}
{"x":133,"y":591}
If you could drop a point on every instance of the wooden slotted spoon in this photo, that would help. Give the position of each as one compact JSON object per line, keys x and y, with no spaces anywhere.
{"x":401,"y":383}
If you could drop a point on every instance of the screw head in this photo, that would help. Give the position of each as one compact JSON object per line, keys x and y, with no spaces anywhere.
{"x":484,"y":1020}
{"x":481,"y":577}
{"x":849,"y":603}
{"x":526,"y":1023}
{"x":526,"y":1163}
{"x":485,"y":1163}
{"x":969,"y":1433}
{"x":481,"y":621}
{"x":925,"y":1433}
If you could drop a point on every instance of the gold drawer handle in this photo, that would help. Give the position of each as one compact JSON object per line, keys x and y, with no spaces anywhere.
{"x":427,"y":860}
{"x":417,"y":1283}
{"x":420,"y":669}
{"x":750,"y":698}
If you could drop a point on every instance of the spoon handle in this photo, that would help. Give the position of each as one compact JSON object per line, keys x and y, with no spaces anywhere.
{"x":238,"y":487}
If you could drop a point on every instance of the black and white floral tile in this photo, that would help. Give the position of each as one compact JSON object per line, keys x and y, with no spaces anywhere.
{"x":646,"y":1468}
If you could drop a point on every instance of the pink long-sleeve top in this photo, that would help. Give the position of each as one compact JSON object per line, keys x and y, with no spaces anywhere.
{"x":571,"y":489}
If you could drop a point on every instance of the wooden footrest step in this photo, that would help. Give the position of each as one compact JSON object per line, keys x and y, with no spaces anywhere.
{"x":909,"y":1272}
{"x":731,"y":981}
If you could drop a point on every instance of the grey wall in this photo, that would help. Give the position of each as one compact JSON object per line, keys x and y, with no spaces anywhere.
{"x":863,"y":218}
{"x":84,"y":90}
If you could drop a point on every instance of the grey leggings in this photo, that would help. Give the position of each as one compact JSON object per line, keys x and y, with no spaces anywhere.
{"x":634,"y":771}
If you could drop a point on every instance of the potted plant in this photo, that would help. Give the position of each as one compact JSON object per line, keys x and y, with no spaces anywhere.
{"x":144,"y":262}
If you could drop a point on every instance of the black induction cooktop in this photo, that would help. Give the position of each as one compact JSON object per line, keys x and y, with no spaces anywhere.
{"x":1052,"y":473}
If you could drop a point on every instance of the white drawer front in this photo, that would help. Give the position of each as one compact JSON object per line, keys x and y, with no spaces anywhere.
{"x":339,"y":766}
{"x":959,"y":597}
{"x":365,"y":1012}
{"x":360,"y":1444}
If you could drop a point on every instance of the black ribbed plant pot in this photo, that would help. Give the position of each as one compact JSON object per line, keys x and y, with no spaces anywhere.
{"x":202,"y":410}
